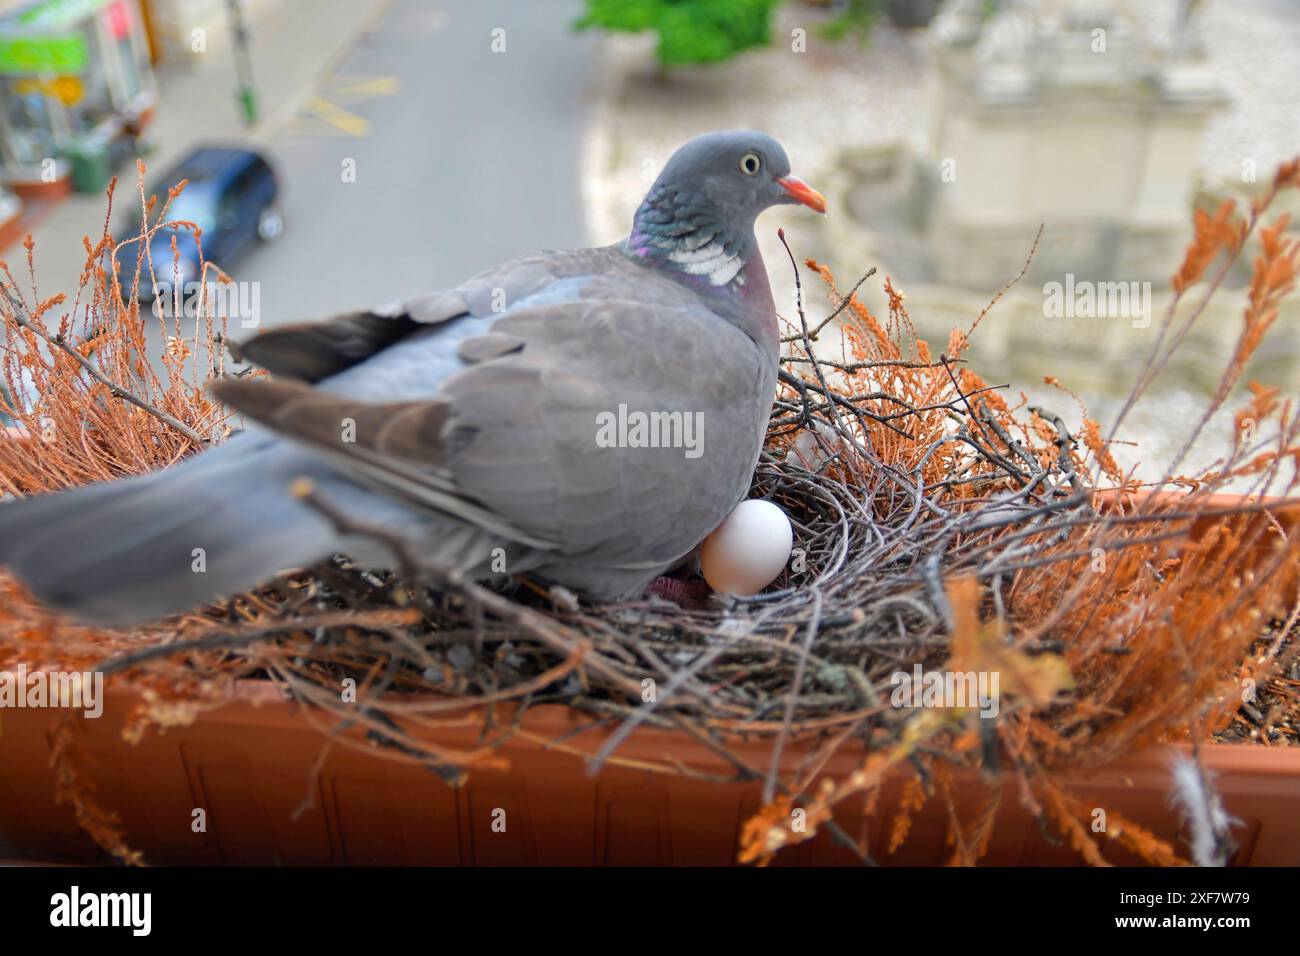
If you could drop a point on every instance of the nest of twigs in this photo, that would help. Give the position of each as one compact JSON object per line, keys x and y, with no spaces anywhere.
{"x":938,"y":522}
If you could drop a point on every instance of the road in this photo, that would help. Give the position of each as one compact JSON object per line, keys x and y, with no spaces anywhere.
{"x":457,"y":155}
{"x":463,"y":156}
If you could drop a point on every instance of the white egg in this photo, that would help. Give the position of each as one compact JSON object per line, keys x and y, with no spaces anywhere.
{"x":748,"y":550}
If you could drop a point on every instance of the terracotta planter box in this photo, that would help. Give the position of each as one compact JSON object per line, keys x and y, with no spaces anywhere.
{"x":249,"y":766}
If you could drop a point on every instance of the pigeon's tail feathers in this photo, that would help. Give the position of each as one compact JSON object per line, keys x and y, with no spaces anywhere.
{"x":142,"y":548}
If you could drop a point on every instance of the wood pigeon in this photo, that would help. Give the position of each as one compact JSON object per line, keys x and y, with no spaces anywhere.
{"x":586,"y":417}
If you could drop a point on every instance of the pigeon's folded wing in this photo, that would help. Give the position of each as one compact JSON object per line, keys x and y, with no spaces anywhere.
{"x":401,"y":447}
{"x":497,"y":421}
{"x":314,"y":351}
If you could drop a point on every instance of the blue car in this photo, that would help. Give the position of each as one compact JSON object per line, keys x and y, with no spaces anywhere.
{"x":232,"y":195}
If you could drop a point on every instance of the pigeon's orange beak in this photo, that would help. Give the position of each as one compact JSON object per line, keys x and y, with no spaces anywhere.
{"x":801,"y":192}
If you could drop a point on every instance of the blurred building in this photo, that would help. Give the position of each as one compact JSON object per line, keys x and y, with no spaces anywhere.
{"x":76,"y":89}
{"x":1068,"y":112}
{"x":181,"y":32}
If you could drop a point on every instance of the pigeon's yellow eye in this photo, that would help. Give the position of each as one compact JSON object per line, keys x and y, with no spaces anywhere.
{"x":749,"y":164}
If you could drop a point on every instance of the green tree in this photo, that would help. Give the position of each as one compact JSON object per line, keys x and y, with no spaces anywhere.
{"x":856,"y":18}
{"x":690,"y":31}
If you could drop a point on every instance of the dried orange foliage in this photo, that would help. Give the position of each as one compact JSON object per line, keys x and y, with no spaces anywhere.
{"x":912,"y":799}
{"x":1148,"y":606}
{"x":71,"y":426}
{"x":1213,"y":234}
{"x":73,"y":789}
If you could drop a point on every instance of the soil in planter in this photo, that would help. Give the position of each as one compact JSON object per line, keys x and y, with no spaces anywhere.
{"x":1273,"y":717}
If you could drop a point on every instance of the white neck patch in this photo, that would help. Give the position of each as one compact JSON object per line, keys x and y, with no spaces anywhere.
{"x":710,"y":260}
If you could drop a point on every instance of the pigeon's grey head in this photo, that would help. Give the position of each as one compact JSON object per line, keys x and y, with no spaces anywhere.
{"x":738,"y":172}
{"x":698,"y":217}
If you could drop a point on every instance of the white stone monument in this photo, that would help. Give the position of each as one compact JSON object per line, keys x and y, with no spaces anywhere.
{"x":1072,"y":114}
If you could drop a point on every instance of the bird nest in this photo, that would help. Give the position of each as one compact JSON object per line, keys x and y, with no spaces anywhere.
{"x":940,"y":527}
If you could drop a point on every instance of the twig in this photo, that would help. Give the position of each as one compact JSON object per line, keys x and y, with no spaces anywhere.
{"x":844,"y":303}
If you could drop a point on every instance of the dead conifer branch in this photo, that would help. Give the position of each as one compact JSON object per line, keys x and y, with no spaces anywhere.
{"x":19,"y":313}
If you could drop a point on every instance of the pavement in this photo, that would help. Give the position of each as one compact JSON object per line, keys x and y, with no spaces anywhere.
{"x":472,"y":157}
{"x":466,"y":146}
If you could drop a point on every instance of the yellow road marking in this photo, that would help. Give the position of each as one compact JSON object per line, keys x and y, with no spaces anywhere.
{"x":344,"y":88}
{"x":359,"y":88}
{"x":337,"y":116}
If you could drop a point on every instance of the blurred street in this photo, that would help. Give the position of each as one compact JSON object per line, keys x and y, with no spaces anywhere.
{"x":410,"y":154}
{"x":464,"y":157}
